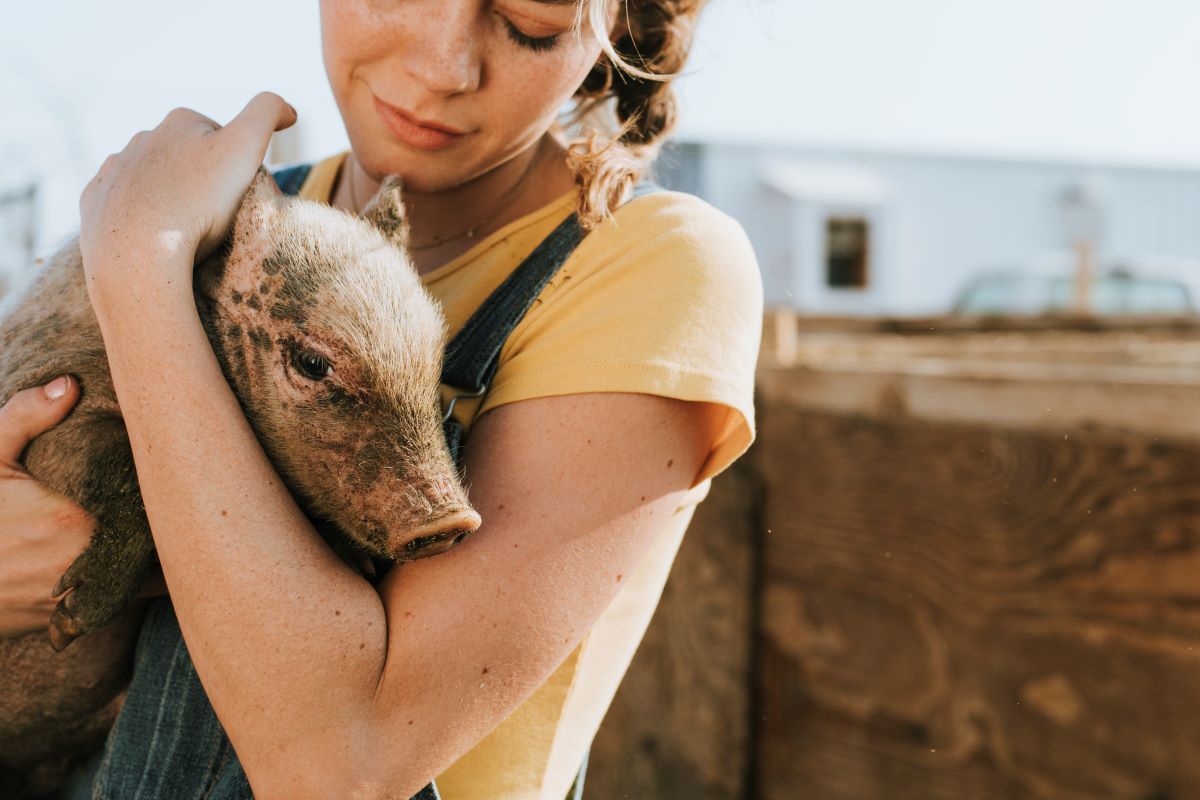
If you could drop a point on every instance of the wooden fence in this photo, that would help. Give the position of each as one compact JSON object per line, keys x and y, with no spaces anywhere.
{"x":960,"y":563}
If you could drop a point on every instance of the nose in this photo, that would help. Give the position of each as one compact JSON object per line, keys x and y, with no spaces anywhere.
{"x":439,"y":536}
{"x":444,"y":57}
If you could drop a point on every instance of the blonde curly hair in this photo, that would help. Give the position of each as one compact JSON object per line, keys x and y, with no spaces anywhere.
{"x":626,"y":106}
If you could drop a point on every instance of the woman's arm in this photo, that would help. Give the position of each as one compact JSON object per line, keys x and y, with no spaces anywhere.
{"x":323,"y":684}
{"x":404,"y":688}
{"x":326,"y":686}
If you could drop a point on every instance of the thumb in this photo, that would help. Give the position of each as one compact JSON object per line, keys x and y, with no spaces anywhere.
{"x":33,"y":412}
{"x":251,"y":129}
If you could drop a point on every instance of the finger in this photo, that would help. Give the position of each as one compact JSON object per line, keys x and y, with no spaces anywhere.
{"x":266,"y":113}
{"x":186,"y":118}
{"x":33,"y":412}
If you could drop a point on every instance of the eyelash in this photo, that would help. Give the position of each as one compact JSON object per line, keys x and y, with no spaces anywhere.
{"x":536,"y":44}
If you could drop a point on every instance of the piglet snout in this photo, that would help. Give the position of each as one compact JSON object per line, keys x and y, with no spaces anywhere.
{"x":437,"y":537}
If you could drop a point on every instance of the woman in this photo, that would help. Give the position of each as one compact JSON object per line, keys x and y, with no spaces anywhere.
{"x":620,"y":394}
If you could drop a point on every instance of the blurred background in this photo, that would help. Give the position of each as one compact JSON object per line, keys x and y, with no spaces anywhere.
{"x":886,"y":158}
{"x":962,"y":559}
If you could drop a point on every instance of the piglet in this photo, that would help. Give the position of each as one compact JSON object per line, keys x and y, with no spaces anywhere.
{"x":334,"y":350}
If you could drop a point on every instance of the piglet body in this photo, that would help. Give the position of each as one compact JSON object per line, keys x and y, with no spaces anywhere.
{"x":333,"y":349}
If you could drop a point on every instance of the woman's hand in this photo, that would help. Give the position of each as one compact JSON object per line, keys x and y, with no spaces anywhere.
{"x":41,"y":532}
{"x":169,"y":198}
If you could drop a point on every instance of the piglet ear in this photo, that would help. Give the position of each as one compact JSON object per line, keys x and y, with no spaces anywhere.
{"x":259,"y":206}
{"x":386,"y":211}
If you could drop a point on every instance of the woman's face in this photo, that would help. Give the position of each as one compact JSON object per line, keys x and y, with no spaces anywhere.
{"x":442,"y":91}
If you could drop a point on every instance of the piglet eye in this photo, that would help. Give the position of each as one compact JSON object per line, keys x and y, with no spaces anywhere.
{"x":311,"y":365}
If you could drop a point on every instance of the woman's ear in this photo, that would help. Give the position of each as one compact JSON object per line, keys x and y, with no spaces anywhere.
{"x":386,"y":211}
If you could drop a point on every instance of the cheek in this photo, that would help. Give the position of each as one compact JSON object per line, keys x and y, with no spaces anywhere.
{"x":345,"y":38}
{"x":529,"y":90}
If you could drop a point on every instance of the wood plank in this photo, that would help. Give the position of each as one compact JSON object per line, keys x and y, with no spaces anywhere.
{"x":967,"y":611}
{"x":1147,"y":349}
{"x":942,"y":325}
{"x":1051,"y":399}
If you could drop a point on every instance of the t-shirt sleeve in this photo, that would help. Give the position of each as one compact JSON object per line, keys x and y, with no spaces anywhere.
{"x":664,"y":299}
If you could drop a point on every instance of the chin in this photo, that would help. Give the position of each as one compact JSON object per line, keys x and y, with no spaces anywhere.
{"x":420,"y":172}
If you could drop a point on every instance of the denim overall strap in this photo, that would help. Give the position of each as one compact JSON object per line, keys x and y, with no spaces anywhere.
{"x":290,"y":179}
{"x":474,"y":354}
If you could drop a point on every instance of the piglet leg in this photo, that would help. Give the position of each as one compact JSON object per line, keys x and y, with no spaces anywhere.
{"x":104,"y":580}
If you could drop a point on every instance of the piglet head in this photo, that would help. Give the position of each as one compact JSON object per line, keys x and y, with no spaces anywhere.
{"x":334,"y":349}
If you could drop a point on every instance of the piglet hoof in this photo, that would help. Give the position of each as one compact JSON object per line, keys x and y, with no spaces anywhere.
{"x":64,"y":628}
{"x":87,"y":606}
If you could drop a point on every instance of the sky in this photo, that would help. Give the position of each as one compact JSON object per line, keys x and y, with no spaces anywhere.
{"x":1108,"y":80}
{"x":1091,"y":80}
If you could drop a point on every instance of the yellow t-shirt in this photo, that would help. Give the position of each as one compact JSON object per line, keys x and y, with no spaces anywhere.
{"x":663,"y":299}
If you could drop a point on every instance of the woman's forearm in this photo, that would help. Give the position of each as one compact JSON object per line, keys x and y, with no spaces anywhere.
{"x":263,"y":603}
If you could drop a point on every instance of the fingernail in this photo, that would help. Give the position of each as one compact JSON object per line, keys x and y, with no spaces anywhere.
{"x":57,"y":387}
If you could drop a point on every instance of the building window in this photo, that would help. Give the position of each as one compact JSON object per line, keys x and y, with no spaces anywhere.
{"x":847,"y":253}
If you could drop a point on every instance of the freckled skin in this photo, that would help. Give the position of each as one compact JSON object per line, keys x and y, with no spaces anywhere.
{"x":361,"y":449}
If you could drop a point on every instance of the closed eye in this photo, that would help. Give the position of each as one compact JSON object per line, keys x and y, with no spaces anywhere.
{"x":538,"y":44}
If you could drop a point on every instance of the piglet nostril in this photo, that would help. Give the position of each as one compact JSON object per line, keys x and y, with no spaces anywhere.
{"x":464,"y":521}
{"x":442,"y":535}
{"x":433,"y":545}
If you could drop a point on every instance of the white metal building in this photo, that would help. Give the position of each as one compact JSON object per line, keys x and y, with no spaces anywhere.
{"x":845,"y":232}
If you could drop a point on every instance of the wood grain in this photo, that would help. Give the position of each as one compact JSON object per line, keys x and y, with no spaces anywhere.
{"x":978,"y":576}
{"x":974,"y":611}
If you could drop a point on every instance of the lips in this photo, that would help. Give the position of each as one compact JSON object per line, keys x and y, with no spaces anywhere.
{"x":416,"y":133}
